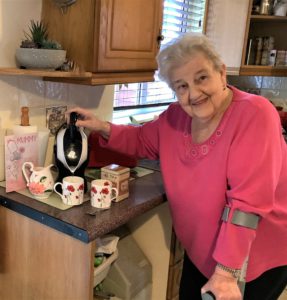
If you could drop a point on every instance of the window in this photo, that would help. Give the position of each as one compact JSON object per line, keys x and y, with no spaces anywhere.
{"x":179,"y":16}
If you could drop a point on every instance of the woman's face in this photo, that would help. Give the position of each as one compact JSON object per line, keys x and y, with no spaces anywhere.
{"x":200,"y":89}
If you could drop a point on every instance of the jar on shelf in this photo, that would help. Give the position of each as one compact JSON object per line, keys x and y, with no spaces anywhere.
{"x":280,"y":58}
{"x":266,"y":7}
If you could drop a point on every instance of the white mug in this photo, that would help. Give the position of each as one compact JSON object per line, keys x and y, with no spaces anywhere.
{"x":72,"y":190}
{"x":102,"y":193}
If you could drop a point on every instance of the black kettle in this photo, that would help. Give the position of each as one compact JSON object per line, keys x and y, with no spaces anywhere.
{"x":71,"y":151}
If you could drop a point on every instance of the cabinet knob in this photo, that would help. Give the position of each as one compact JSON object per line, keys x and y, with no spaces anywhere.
{"x":159,"y":39}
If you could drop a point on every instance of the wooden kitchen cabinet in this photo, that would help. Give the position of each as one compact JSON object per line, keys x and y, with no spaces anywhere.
{"x":226,"y":21}
{"x":175,"y":268}
{"x":261,"y":26}
{"x":38,"y":262}
{"x":114,"y":39}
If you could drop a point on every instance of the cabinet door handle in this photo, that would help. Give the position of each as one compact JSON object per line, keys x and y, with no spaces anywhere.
{"x":159,"y":38}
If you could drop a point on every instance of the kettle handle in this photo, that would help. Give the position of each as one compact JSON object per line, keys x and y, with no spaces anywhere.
{"x":31,"y":167}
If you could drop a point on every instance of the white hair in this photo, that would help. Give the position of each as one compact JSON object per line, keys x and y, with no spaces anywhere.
{"x":179,"y":50}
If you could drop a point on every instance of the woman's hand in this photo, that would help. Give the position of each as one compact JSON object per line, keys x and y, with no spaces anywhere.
{"x":88,"y":120}
{"x":223,"y":285}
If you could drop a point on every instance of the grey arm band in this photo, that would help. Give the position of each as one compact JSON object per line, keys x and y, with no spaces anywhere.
{"x":241,"y":218}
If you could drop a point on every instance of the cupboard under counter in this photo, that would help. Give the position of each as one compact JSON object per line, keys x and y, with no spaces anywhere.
{"x":48,"y":254}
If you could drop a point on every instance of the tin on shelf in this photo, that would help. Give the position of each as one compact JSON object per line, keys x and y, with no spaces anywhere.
{"x":280,"y":58}
{"x":119,"y":176}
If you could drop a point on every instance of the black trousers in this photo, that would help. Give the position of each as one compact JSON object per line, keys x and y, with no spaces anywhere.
{"x":268,"y":286}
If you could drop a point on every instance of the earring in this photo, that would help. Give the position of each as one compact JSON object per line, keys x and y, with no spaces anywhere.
{"x":224,"y":87}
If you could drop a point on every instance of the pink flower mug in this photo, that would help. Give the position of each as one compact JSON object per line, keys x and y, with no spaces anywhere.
{"x":102,"y":193}
{"x":72,"y":190}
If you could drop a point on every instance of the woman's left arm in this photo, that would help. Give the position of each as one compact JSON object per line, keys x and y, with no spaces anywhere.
{"x":253,"y":171}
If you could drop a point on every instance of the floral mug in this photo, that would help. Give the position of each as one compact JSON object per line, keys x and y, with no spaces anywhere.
{"x":72,"y":190}
{"x":102,"y":193}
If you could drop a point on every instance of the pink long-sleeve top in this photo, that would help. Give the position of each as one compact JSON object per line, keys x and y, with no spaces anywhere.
{"x":247,"y":152}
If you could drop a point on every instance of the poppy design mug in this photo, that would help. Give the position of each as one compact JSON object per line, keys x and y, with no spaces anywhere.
{"x":102,"y":193}
{"x":72,"y":190}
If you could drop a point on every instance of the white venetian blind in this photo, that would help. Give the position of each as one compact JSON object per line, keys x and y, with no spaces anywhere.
{"x":179,"y":16}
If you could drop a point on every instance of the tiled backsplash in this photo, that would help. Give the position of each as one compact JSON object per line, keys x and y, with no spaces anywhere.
{"x":17,"y":91}
{"x":273,"y":88}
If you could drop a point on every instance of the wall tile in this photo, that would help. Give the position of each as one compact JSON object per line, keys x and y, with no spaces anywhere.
{"x":96,"y":98}
{"x":273,"y":88}
{"x":274,"y":83}
{"x":270,"y":93}
{"x":31,"y":92}
{"x":85,"y":96}
{"x":278,"y":97}
{"x":9,"y":101}
{"x":56,"y":93}
{"x":38,"y":116}
{"x":245,"y":82}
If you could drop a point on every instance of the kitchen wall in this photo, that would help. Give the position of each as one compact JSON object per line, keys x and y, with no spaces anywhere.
{"x":17,"y":91}
{"x":273,"y":88}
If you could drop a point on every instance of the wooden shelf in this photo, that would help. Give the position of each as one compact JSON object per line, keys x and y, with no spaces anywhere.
{"x":84,"y":78}
{"x":266,"y":18}
{"x":44,"y":73}
{"x":253,"y":70}
{"x":108,"y":78}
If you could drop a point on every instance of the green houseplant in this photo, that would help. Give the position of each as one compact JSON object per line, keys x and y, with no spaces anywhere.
{"x":37,"y":51}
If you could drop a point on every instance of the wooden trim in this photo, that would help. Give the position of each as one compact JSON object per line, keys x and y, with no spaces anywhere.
{"x":264,"y":18}
{"x":85,"y":78}
{"x":108,"y":78}
{"x":247,"y":27}
{"x":205,"y":17}
{"x":232,"y":71}
{"x":44,"y":73}
{"x":253,"y":70}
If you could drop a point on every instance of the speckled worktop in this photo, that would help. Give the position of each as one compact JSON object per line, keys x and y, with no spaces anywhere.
{"x":146,"y":193}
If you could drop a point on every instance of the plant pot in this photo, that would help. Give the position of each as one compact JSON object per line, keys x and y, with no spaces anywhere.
{"x":31,"y":58}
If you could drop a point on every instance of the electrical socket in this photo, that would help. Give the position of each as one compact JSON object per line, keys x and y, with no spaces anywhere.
{"x":55,"y":118}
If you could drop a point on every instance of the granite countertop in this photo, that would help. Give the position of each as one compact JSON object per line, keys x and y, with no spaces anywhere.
{"x":146,"y":193}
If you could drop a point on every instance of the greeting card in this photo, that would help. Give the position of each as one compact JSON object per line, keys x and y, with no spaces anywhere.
{"x":19,"y":149}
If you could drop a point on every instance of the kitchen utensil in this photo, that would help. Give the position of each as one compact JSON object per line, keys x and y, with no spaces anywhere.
{"x":39,"y":180}
{"x":71,"y":151}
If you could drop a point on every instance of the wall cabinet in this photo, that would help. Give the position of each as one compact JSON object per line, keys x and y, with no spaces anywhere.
{"x":263,"y":26}
{"x":113,"y":39}
{"x":226,"y":21}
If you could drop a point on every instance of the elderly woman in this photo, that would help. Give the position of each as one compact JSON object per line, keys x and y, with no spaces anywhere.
{"x":224,"y":165}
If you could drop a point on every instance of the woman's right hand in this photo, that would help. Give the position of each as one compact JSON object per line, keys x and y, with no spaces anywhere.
{"x":88,"y":120}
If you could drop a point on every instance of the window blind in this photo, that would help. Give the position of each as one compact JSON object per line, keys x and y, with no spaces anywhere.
{"x":179,"y":16}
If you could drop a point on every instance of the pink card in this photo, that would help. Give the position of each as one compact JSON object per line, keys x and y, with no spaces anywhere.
{"x":19,"y":149}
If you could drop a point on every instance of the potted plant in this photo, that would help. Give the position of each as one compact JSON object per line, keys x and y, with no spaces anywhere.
{"x":37,"y":51}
